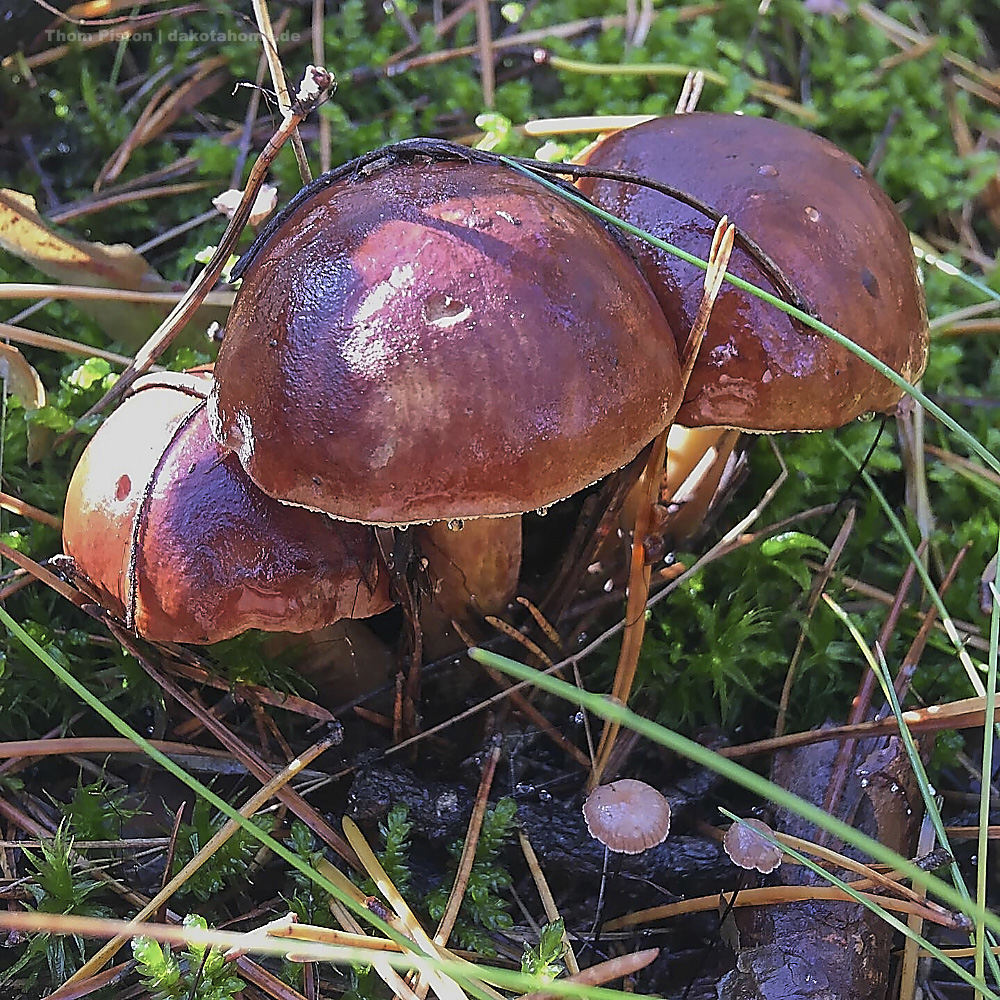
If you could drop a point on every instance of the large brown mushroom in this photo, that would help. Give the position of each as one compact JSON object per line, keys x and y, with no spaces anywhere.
{"x":826,"y":225}
{"x":441,"y":340}
{"x":177,"y":541}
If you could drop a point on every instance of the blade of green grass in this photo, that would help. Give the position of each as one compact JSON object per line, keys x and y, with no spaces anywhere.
{"x":196,"y":786}
{"x":946,"y":620}
{"x":924,"y":252}
{"x":893,"y":921}
{"x":730,"y":770}
{"x":878,"y":666}
{"x":982,"y":850}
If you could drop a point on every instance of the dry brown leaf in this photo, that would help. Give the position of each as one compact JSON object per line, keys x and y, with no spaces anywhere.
{"x":24,"y":233}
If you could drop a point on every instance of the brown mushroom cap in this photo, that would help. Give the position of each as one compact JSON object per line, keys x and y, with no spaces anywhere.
{"x":439,"y":340}
{"x":627,"y":816}
{"x":827,"y":225}
{"x":162,"y":521}
{"x":748,"y":849}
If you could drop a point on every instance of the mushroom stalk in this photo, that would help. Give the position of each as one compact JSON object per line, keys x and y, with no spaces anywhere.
{"x":473,"y":565}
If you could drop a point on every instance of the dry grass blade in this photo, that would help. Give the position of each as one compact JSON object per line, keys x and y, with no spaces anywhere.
{"x":548,"y":901}
{"x":263,"y":695}
{"x":484,"y":42}
{"x":967,"y":713}
{"x":639,"y":571}
{"x":457,"y":894}
{"x":350,"y":923}
{"x":445,"y":988}
{"x":163,"y":109}
{"x":44,"y":575}
{"x":313,"y":89}
{"x":582,"y":124}
{"x":32,"y":338}
{"x":79,"y":293}
{"x":776,"y":896}
{"x":270,"y":44}
{"x":227,"y":830}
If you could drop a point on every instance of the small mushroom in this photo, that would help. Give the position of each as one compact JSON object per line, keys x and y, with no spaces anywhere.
{"x":627,"y":816}
{"x":748,"y":849}
{"x":441,"y":340}
{"x":826,"y":225}
{"x":177,"y":541}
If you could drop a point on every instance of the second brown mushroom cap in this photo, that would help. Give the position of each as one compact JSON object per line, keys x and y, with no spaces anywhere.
{"x":821,"y":219}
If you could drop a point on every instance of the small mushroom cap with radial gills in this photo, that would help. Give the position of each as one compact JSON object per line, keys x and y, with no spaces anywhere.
{"x":748,"y":849}
{"x":440,"y":339}
{"x":826,"y":224}
{"x":627,"y":816}
{"x":178,"y":541}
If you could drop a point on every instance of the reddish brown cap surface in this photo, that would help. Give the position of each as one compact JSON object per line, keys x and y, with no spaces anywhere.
{"x":213,"y":556}
{"x":440,"y":340}
{"x":826,"y":224}
{"x":627,"y":816}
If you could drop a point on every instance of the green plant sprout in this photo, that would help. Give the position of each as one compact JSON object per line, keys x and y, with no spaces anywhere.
{"x":544,"y":959}
{"x":484,"y":908}
{"x":56,"y":888}
{"x":227,"y":866}
{"x":198,"y":973}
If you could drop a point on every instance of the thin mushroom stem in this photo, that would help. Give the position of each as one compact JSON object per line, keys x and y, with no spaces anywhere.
{"x":640,"y":571}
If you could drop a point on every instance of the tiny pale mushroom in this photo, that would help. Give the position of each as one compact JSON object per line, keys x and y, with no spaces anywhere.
{"x":627,"y":816}
{"x":748,"y":849}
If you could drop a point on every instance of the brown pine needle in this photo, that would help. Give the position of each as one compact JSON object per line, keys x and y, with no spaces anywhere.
{"x":512,"y":633}
{"x":639,"y":571}
{"x":16,"y":506}
{"x":230,"y":827}
{"x":541,"y":621}
{"x":548,"y":901}
{"x":314,"y":87}
{"x":605,"y":972}
{"x":774,"y":896}
{"x":447,"y":922}
{"x":46,"y":341}
{"x":79,"y":293}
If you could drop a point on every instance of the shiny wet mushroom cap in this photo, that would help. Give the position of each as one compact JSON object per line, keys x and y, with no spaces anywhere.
{"x":627,"y":816}
{"x":179,"y":543}
{"x":826,"y":225}
{"x":438,"y":338}
{"x":748,"y":849}
{"x":442,"y":339}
